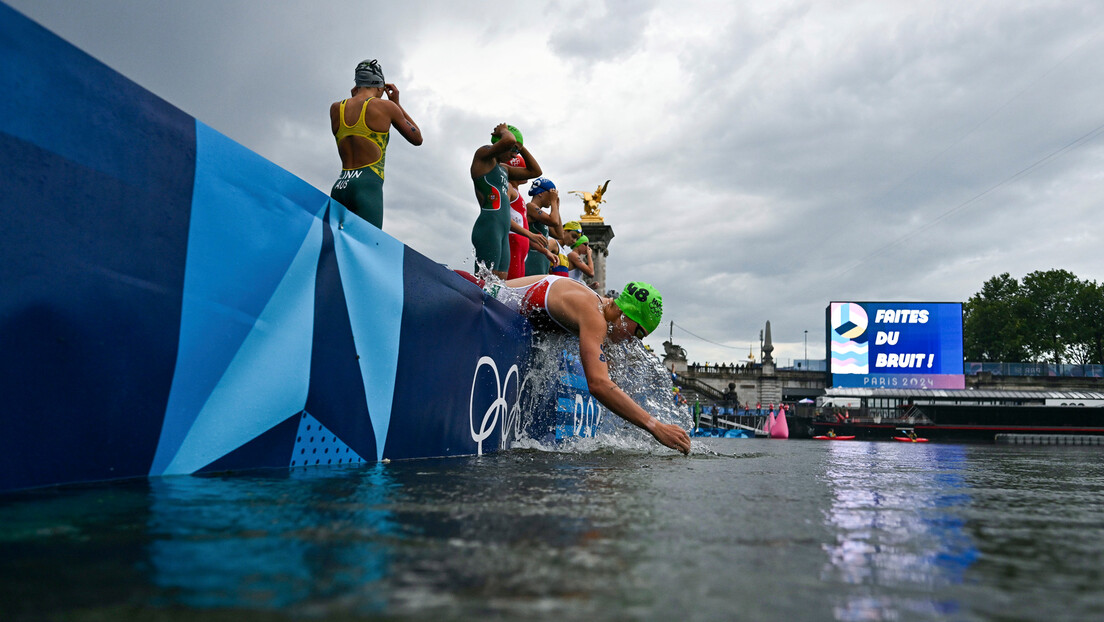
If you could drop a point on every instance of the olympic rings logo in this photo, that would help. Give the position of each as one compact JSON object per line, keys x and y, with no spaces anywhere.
{"x":499,"y":407}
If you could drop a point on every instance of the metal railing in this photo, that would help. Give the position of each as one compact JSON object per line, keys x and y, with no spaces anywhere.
{"x":1035,"y":370}
{"x":970,"y":369}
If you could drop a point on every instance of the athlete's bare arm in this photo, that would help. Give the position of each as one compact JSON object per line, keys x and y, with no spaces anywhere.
{"x":400,"y":119}
{"x":578,"y":306}
{"x":551,"y":219}
{"x":529,"y":171}
{"x":577,"y":262}
{"x":486,"y":157}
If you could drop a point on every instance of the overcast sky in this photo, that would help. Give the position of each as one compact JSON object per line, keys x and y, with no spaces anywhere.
{"x":766,"y":156}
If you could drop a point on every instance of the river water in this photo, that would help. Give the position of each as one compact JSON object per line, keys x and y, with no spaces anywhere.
{"x":749,"y":529}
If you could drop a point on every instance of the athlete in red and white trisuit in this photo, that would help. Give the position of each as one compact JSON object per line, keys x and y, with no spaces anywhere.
{"x":519,"y":244}
{"x":531,"y":300}
{"x":520,"y":235}
{"x":550,"y":301}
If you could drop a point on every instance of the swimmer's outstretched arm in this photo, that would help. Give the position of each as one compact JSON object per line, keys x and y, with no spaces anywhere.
{"x":591,"y":335}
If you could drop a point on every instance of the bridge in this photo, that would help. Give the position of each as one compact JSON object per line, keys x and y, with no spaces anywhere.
{"x":751,"y":383}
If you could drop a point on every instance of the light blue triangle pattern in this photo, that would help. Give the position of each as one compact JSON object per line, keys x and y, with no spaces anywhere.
{"x":315,"y":445}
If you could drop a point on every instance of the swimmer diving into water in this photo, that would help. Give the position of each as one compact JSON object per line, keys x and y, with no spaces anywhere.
{"x":560,"y":302}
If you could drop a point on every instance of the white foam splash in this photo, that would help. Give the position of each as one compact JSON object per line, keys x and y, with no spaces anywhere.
{"x":638,"y":372}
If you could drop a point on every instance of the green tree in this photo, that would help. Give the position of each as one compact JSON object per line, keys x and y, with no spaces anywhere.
{"x":993,"y":322}
{"x":1088,"y":315}
{"x":1051,"y":324}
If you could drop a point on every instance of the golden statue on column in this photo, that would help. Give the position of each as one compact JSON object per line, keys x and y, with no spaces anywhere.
{"x":591,"y":201}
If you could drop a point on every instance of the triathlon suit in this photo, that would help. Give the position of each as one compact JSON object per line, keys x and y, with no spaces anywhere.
{"x":361,"y":189}
{"x":576,"y":273}
{"x":530,"y":301}
{"x":490,"y":235}
{"x":536,"y":262}
{"x":519,"y":244}
{"x":561,"y":268}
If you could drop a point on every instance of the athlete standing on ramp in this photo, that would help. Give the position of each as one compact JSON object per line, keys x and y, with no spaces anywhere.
{"x":362,"y":125}
{"x":560,"y":302}
{"x":491,"y":174}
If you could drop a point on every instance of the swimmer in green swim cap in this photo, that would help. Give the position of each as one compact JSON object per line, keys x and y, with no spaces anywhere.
{"x":491,"y":174}
{"x":556,"y":302}
{"x":643,"y":304}
{"x":580,"y":260}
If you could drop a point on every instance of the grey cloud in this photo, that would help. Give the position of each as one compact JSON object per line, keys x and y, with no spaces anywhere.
{"x":598,"y":31}
{"x":792,"y":170}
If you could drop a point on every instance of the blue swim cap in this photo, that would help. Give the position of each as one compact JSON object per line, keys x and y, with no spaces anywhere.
{"x":541,"y":184}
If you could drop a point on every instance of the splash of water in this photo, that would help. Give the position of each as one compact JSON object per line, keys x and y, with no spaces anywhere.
{"x":638,"y":372}
{"x":532,"y":423}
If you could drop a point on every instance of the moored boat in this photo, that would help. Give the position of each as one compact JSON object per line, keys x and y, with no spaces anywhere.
{"x":962,"y":415}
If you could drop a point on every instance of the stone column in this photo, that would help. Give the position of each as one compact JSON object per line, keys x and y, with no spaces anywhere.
{"x":770,"y":386}
{"x":600,"y":235}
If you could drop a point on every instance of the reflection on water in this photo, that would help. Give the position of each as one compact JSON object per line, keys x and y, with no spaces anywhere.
{"x":741,"y":529}
{"x":898,"y":512}
{"x":268,"y":548}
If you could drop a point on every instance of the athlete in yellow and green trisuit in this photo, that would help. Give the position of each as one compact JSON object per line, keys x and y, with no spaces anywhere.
{"x":361,"y":126}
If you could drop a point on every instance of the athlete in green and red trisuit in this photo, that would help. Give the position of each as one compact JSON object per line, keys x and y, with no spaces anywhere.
{"x":491,"y":176}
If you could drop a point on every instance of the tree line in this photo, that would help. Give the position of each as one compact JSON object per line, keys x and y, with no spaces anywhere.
{"x":1049,"y":316}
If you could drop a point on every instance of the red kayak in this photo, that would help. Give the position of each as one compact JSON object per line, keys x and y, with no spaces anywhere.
{"x":834,"y":438}
{"x":905,"y":439}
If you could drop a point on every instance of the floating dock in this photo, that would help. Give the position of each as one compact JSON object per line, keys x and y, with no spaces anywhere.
{"x":1049,"y":439}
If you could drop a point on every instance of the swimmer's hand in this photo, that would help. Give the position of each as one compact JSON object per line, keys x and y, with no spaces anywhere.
{"x":392,"y":92}
{"x":670,"y":435}
{"x":538,"y":239}
{"x":503,"y":131}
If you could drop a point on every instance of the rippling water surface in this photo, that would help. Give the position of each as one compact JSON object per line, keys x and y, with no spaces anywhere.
{"x":741,"y":529}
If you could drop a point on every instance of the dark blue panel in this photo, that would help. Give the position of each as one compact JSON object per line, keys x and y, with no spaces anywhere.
{"x":336,"y":394}
{"x":447,"y":327}
{"x":269,"y":450}
{"x":97,"y":181}
{"x":65,"y":101}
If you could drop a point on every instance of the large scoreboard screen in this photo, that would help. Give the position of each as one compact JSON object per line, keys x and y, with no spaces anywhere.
{"x":897,"y":345}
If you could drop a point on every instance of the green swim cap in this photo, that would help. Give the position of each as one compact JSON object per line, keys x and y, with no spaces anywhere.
{"x":582,"y":240}
{"x":513,"y":130}
{"x":641,"y":303}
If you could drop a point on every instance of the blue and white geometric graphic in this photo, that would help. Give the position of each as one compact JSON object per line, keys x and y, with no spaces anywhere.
{"x":315,"y":446}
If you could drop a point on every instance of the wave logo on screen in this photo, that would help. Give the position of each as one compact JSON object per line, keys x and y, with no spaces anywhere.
{"x":500,"y":406}
{"x":849,"y":343}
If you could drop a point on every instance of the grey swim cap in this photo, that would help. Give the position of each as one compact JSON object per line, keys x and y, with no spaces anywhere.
{"x":369,"y":74}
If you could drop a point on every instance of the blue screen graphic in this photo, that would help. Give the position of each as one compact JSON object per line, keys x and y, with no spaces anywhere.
{"x":895,"y":344}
